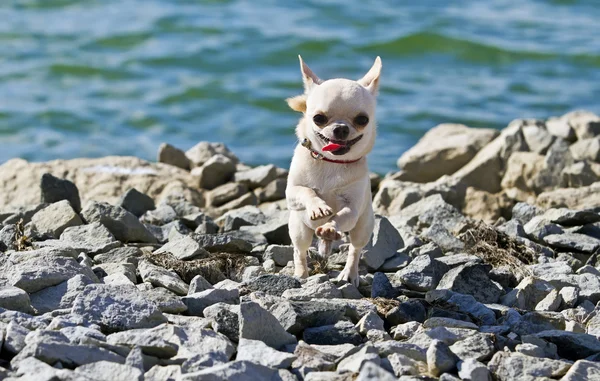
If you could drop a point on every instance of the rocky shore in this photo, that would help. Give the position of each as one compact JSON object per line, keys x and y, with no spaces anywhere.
{"x":484,"y":264}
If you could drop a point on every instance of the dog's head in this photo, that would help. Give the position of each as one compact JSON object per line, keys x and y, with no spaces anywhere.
{"x":339,"y":114}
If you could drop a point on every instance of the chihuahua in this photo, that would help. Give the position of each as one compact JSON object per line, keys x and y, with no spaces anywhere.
{"x":328,"y":190}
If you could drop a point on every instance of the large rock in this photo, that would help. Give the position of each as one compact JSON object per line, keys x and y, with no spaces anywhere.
{"x":472,"y":279}
{"x":536,"y":136}
{"x":203,"y":151}
{"x":161,"y":277}
{"x":35,"y":270}
{"x":238,"y":370}
{"x":423,"y":273}
{"x":184,"y":248}
{"x":258,"y":352}
{"x":522,"y":169}
{"x":556,"y":160}
{"x":585,"y":124}
{"x":102,"y":179}
{"x":171,"y":155}
{"x":384,"y":243}
{"x":574,"y":198}
{"x":272,"y":284}
{"x":433,"y":210}
{"x":71,"y":355}
{"x":508,"y":366}
{"x":59,"y":296}
{"x":256,"y":323}
{"x":223,"y":242}
{"x":197,"y":302}
{"x":257,"y":177}
{"x":485,"y":206}
{"x":109,"y":371}
{"x":116,"y":308}
{"x":439,"y":358}
{"x":573,"y":241}
{"x":341,"y":332}
{"x":51,"y":221}
{"x":225,"y":193}
{"x":442,"y":151}
{"x":54,"y":189}
{"x":296,"y":316}
{"x":122,"y":224}
{"x":150,"y":344}
{"x":136,"y":203}
{"x":92,"y":239}
{"x":14,"y":298}
{"x":583,"y":370}
{"x":218,"y":170}
{"x":572,"y":345}
{"x":586,"y":149}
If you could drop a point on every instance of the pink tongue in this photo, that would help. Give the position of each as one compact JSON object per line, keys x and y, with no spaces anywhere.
{"x":332,"y":147}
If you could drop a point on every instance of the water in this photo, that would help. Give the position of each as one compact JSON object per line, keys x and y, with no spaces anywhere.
{"x":118,"y":77}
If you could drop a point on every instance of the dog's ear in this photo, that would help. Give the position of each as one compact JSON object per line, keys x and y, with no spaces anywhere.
{"x":371,"y":79}
{"x":310,"y":78}
{"x":297,"y":103}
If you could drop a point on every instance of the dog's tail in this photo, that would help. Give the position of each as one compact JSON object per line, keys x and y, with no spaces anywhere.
{"x":325,"y":247}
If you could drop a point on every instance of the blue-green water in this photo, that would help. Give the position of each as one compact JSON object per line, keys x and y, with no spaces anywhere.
{"x":118,"y":77}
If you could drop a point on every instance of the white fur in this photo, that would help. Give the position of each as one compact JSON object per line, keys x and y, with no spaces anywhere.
{"x":331,"y":198}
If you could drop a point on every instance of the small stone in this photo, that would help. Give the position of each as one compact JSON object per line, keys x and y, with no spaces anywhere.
{"x":171,"y":155}
{"x":222,"y":243}
{"x":274,"y":191}
{"x":225,"y":193}
{"x":479,"y":346}
{"x":369,"y":322}
{"x":51,"y":221}
{"x":70,"y":355}
{"x":405,"y":330}
{"x":583,"y":370}
{"x":14,"y":338}
{"x":217,"y":170}
{"x":512,"y":228}
{"x":14,"y":298}
{"x":384,"y":243}
{"x":443,"y":238}
{"x":196,"y":303}
{"x":245,"y":216}
{"x":569,"y":296}
{"x":93,"y":238}
{"x":198,"y":284}
{"x":122,"y":224}
{"x":528,"y":293}
{"x":166,"y":301}
{"x":275,"y":230}
{"x":473,"y":370}
{"x":203,"y":151}
{"x":381,"y":287}
{"x":560,"y":127}
{"x":440,"y":358}
{"x":524,"y":212}
{"x":280,"y":254}
{"x":258,"y":177}
{"x":310,"y":360}
{"x":373,"y":372}
{"x":127,"y":254}
{"x":356,"y":359}
{"x":296,"y":316}
{"x":512,"y":366}
{"x":184,"y":248}
{"x":349,"y":291}
{"x":59,"y":296}
{"x":54,"y":189}
{"x":423,"y":273}
{"x":539,"y":227}
{"x":571,"y":345}
{"x":399,"y":261}
{"x":340,"y":333}
{"x":256,"y":323}
{"x":136,"y":202}
{"x":433,"y":322}
{"x":163,"y":373}
{"x":551,"y":302}
{"x":325,"y":290}
{"x":258,"y":352}
{"x":472,"y":279}
{"x":225,"y":320}
{"x":465,"y":304}
{"x":411,"y":310}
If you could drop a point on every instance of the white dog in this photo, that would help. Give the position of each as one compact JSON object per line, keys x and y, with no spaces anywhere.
{"x":328,"y":189}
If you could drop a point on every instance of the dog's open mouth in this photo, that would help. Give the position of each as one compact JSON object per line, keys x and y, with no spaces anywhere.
{"x":338,"y":147}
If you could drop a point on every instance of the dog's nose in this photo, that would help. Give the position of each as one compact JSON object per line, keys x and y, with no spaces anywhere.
{"x":341,"y":132}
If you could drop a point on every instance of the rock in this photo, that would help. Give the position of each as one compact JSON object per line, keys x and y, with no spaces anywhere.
{"x":59,"y":296}
{"x":35,"y":270}
{"x":349,"y":291}
{"x":163,"y":373}
{"x":514,"y":366}
{"x":442,"y":151}
{"x":373,"y":372}
{"x":538,"y":139}
{"x":196,"y":303}
{"x":512,"y":228}
{"x":479,"y":347}
{"x":539,"y":227}
{"x":443,"y":238}
{"x":482,"y":205}
{"x":524,"y":212}
{"x":370,"y":321}
{"x":528,"y":293}
{"x":116,"y":308}
{"x":163,"y":214}
{"x":70,"y":355}
{"x":193,"y":340}
{"x":431,"y":210}
{"x":109,"y":371}
{"x":310,"y":360}
{"x":573,"y":241}
{"x":357,"y":358}
{"x":431,"y":249}
{"x":405,"y":330}
{"x":184,"y":248}
{"x":225,"y":320}
{"x":403,"y":365}
{"x":198,"y":284}
{"x":166,"y":301}
{"x":275,"y":230}
{"x":522,"y":170}
{"x":256,"y":323}
{"x":225,"y":193}
{"x":128,"y":254}
{"x":472,"y":279}
{"x":203,"y":151}
{"x":422,"y":274}
{"x":485,"y":170}
{"x":556,"y":160}
{"x":296,"y":316}
{"x":258,"y":352}
{"x":411,"y":310}
{"x":244,"y":216}
{"x":586,"y":124}
{"x":573,"y":198}
{"x":560,"y":127}
{"x":569,"y":217}
{"x":93,"y":238}
{"x":150,"y":344}
{"x":14,"y":298}
{"x":550,"y":269}
{"x":168,"y":154}
{"x":122,"y":224}
{"x":223,"y":242}
{"x":274,"y":191}
{"x":580,"y":174}
{"x":52,"y":220}
{"x":14,"y":338}
{"x":583,"y":370}
{"x":280,"y":254}
{"x":258,"y":177}
{"x":326,"y":290}
{"x":136,"y":202}
{"x":399,"y":261}
{"x":238,"y":370}
{"x":473,"y":370}
{"x":339,"y":333}
{"x":439,"y":358}
{"x":586,"y":149}
{"x":8,"y":237}
{"x":54,"y":190}
{"x":384,"y":243}
{"x":569,"y":296}
{"x":272,"y":284}
{"x":381,"y":287}
{"x":465,"y":304}
{"x":217,"y":171}
{"x":571,"y":345}
{"x":433,"y":322}
{"x":161,"y":277}
{"x":551,"y":302}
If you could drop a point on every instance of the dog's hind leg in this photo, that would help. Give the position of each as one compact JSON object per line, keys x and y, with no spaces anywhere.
{"x":301,"y":236}
{"x":359,"y":238}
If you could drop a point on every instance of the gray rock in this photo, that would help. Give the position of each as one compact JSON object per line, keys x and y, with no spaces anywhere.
{"x":167,"y":301}
{"x":196,"y":303}
{"x":193,"y":340}
{"x":349,"y":291}
{"x":373,"y":372}
{"x":479,"y":347}
{"x":573,"y":241}
{"x":512,"y":366}
{"x":222,"y":243}
{"x":163,"y":373}
{"x":473,"y":370}
{"x":326,"y":290}
{"x":431,"y":249}
{"x":35,"y":270}
{"x":357,"y":358}
{"x":524,"y":212}
{"x":580,"y":174}
{"x":161,"y":277}
{"x":59,"y":296}
{"x":472,"y":279}
{"x":274,"y":191}
{"x":586,"y":124}
{"x":443,"y":238}
{"x":437,"y":321}
{"x":171,"y":155}
{"x":109,"y":371}
{"x":258,"y":352}
{"x":465,"y":304}
{"x":116,"y":308}
{"x":122,"y":224}
{"x":341,"y":332}
{"x":127,"y":254}
{"x":161,"y":215}
{"x":432,"y":210}
{"x":538,"y":138}
{"x":557,"y":158}
{"x":224,"y":320}
{"x":586,"y":149}
{"x":203,"y":151}
{"x":528,"y":293}
{"x":136,"y":202}
{"x":411,"y":310}
{"x":455,"y":260}
{"x":405,"y":330}
{"x":550,"y":269}
{"x":245,"y":216}
{"x":54,"y":190}
{"x":14,"y":298}
{"x":399,"y":261}
{"x":422,"y":274}
{"x":571,"y":345}
{"x":280,"y":254}
{"x":70,"y":355}
{"x":93,"y":238}
{"x":51,"y":221}
{"x":12,"y":216}
{"x":384,"y":243}
{"x":238,"y":370}
{"x":257,"y":177}
{"x":198,"y":284}
{"x":539,"y":227}
{"x":184,"y":248}
{"x":512,"y":228}
{"x":150,"y":344}
{"x":8,"y":237}
{"x":560,"y":127}
{"x":216,"y":171}
{"x":14,"y":338}
{"x":381,"y":287}
{"x":551,"y":302}
{"x":440,"y":358}
{"x":225,"y":193}
{"x":275,"y":230}
{"x":569,"y":296}
{"x":256,"y":323}
{"x":583,"y":370}
{"x":296,"y":316}
{"x":370,"y":321}
{"x":127,"y":269}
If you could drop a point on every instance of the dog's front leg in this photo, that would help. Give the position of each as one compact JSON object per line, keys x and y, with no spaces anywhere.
{"x":303,"y":198}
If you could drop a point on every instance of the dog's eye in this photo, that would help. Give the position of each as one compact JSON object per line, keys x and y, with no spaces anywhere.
{"x":361,"y":120}
{"x":320,"y":119}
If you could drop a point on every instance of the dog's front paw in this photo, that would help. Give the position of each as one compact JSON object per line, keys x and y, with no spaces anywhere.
{"x":349,"y":275}
{"x":328,"y":232}
{"x":318,"y":209}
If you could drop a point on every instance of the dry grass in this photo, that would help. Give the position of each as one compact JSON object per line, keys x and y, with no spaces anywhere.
{"x":317,"y":263}
{"x":384,"y":305}
{"x":218,"y":267}
{"x":498,"y":249}
{"x":21,"y":240}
